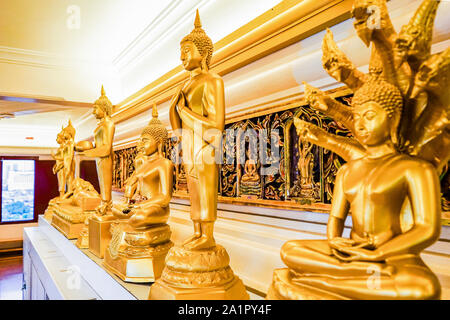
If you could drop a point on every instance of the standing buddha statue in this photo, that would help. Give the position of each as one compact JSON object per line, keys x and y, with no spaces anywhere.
{"x":64,"y":167}
{"x":199,"y":269}
{"x":102,"y":151}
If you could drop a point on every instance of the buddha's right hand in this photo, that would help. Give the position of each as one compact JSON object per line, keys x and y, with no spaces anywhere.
{"x":338,"y":242}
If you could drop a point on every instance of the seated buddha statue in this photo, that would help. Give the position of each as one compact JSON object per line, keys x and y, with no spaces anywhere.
{"x":377,"y":188}
{"x":141,"y":236}
{"x":390,"y":181}
{"x":79,"y":204}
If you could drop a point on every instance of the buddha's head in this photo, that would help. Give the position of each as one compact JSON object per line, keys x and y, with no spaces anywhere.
{"x":153,"y":137}
{"x":69,"y":132}
{"x":102,"y":106}
{"x":60,"y":136}
{"x":376,"y":109}
{"x":196,"y":48}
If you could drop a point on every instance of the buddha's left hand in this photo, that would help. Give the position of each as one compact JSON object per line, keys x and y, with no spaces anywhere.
{"x":357,"y":253}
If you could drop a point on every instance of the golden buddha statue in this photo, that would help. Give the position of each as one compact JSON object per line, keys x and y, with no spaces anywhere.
{"x":80,"y":197}
{"x":64,"y":167}
{"x":102,"y":151}
{"x":141,"y":236}
{"x":199,"y":269}
{"x":59,"y":163}
{"x":390,"y":182}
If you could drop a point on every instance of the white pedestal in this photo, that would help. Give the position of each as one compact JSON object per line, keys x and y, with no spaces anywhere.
{"x":54,"y":268}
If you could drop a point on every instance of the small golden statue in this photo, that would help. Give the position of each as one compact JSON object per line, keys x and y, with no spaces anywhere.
{"x":399,"y":117}
{"x":79,"y":199}
{"x":199,"y":269}
{"x":99,"y":224}
{"x":63,"y":158}
{"x":141,"y":237}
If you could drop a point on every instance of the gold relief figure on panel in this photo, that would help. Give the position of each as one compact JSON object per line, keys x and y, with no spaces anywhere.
{"x":390,"y":181}
{"x":248,"y":164}
{"x":304,"y":166}
{"x":272,"y":156}
{"x":171,"y":154}
{"x":228,"y":169}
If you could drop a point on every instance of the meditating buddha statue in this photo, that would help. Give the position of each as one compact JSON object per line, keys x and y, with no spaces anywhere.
{"x":80,"y":198}
{"x":390,"y":182}
{"x":141,"y":236}
{"x":199,"y":269}
{"x":102,"y":151}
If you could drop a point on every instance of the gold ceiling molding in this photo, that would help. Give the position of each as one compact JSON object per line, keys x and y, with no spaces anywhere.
{"x":283,"y":25}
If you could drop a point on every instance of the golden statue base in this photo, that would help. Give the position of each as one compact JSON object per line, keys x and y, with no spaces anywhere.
{"x":50,"y":211}
{"x":198,"y":275}
{"x":234,"y":290}
{"x":137,"y":256}
{"x":83,"y":238}
{"x":137,"y":270}
{"x":99,"y":234}
{"x":70,"y":229}
{"x":283,"y":288}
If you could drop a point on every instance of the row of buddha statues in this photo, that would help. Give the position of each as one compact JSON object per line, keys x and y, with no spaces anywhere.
{"x":400,"y":140}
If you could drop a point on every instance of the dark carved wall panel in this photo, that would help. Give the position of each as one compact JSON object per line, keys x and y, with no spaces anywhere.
{"x":264,"y":159}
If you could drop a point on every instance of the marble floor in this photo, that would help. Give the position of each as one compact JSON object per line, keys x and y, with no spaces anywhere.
{"x":11,"y":278}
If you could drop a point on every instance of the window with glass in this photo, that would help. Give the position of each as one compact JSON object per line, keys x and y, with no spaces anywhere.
{"x":17,"y":195}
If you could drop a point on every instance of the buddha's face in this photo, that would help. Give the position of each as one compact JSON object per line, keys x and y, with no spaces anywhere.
{"x":147,"y":145}
{"x":67,"y":136}
{"x":59,"y":138}
{"x":98,"y":112}
{"x":372,"y":124}
{"x":190,"y":56}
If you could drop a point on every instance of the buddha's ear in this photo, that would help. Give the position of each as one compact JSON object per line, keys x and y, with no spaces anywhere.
{"x":204,"y":64}
{"x":160,"y":146}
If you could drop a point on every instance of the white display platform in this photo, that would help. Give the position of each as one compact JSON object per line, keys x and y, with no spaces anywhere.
{"x":54,"y":268}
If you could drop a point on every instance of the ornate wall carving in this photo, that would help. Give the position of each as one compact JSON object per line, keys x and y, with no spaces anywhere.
{"x":263,"y":159}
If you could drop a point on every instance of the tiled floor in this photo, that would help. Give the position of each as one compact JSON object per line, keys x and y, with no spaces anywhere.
{"x":11,"y":278}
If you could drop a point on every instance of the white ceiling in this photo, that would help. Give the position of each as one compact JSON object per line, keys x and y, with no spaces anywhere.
{"x":123,"y":44}
{"x":105,"y":27}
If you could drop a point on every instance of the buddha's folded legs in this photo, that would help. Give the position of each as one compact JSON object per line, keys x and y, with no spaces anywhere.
{"x":146,"y":215}
{"x":316,"y":257}
{"x":313,"y":264}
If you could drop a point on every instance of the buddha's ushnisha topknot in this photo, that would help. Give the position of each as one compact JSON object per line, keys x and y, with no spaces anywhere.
{"x":104,"y":103}
{"x":70,"y":129}
{"x":379,"y":90}
{"x":156,"y":128}
{"x":201,"y":40}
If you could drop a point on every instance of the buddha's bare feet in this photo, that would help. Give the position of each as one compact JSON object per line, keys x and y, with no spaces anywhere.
{"x":190,"y":239}
{"x":204,"y":242}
